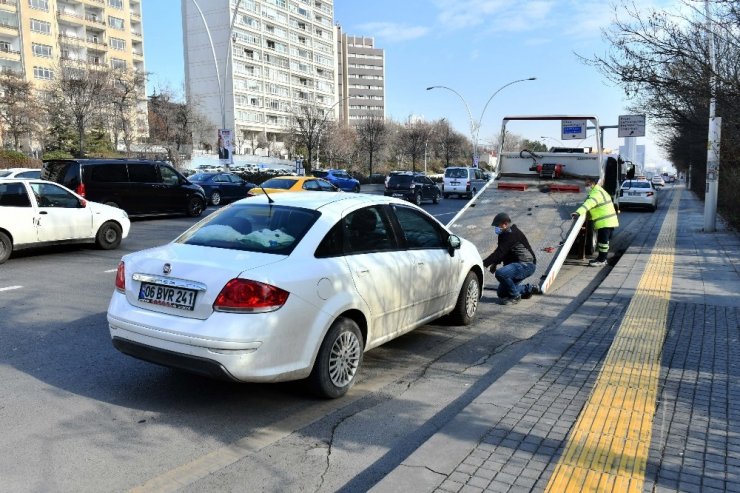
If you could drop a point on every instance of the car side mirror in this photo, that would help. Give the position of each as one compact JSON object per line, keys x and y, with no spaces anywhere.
{"x":453,"y":243}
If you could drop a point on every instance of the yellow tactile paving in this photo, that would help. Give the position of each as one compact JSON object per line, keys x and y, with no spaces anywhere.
{"x":608,"y":447}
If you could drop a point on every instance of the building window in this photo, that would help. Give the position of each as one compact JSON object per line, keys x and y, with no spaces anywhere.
{"x":117,"y":44}
{"x":41,"y":50}
{"x":42,"y":27}
{"x":39,"y":4}
{"x":115,"y":22}
{"x":116,"y":3}
{"x":43,"y":73}
{"x":117,"y":63}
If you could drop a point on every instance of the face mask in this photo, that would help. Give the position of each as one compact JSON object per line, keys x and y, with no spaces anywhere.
{"x":497,"y":230}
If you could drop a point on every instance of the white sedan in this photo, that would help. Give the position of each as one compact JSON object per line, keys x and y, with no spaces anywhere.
{"x":37,"y":213}
{"x":292,"y":286}
{"x":638,"y":193}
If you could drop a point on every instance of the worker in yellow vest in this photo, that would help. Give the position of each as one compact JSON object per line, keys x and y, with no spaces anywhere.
{"x":604,"y":216}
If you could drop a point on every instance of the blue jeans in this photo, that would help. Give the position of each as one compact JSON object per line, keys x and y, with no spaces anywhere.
{"x":509,"y":276}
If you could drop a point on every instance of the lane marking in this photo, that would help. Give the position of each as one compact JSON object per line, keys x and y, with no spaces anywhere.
{"x":11,"y":288}
{"x":607,"y":450}
{"x":110,"y":270}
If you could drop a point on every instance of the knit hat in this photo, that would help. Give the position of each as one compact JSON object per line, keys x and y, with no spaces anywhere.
{"x":500,"y":219}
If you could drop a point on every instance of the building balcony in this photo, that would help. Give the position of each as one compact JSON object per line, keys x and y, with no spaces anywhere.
{"x":9,"y":54}
{"x":8,"y":28}
{"x":9,"y":5}
{"x":71,"y":17}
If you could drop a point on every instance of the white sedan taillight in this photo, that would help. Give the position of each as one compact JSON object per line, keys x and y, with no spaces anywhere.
{"x":246,"y":296}
{"x":121,"y":278}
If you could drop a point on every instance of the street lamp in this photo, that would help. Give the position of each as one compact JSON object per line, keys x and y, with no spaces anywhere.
{"x":475,"y":126}
{"x":221,"y":83}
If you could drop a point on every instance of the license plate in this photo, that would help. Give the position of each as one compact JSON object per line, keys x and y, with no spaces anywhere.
{"x":454,"y":183}
{"x":634,"y":194}
{"x":398,"y":195}
{"x":184,"y":299}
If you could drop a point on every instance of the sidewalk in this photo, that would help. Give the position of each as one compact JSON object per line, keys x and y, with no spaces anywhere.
{"x":637,"y":390}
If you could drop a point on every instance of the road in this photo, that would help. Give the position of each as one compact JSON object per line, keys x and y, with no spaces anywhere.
{"x":78,"y":416}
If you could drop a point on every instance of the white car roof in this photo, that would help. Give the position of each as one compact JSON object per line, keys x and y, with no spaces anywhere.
{"x":318,"y":200}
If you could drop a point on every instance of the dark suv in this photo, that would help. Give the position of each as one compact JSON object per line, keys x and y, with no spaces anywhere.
{"x":414,"y":187}
{"x":140,"y":187}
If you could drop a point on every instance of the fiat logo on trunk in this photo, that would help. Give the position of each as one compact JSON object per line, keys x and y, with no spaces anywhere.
{"x":166,"y":269}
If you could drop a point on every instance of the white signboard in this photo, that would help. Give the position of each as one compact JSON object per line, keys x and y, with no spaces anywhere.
{"x":573,"y":129}
{"x":631,"y":126}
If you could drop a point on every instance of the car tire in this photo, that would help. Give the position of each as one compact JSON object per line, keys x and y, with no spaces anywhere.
{"x":6,"y":247}
{"x":467,"y":300}
{"x":435,"y":199}
{"x":653,"y":208}
{"x":591,"y":239}
{"x":356,"y":189}
{"x":108,"y":236}
{"x":215,"y":198}
{"x":195,"y":207}
{"x":417,"y":198}
{"x":447,"y":195}
{"x":338,"y":360}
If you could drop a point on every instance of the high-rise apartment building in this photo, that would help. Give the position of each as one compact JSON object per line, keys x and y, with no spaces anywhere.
{"x":361,"y":88}
{"x":251,"y":64}
{"x":36,"y":36}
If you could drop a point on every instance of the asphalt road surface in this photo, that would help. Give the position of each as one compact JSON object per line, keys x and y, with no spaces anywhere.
{"x":79,"y":416}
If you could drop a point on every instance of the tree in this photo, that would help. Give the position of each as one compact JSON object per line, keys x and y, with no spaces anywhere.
{"x":662,"y":62}
{"x":449,"y":142}
{"x":126,"y":93}
{"x":340,"y":143}
{"x":371,"y":138}
{"x":83,"y":91}
{"x":19,"y":110}
{"x":415,"y":138}
{"x":172,"y":124}
{"x":308,"y":124}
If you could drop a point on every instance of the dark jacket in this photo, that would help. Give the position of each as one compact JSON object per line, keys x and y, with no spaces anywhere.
{"x":512,"y":247}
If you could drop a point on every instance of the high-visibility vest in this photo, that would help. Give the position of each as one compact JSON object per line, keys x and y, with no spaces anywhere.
{"x":601,"y":208}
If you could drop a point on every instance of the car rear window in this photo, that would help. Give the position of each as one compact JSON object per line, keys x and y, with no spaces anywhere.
{"x":636,"y":184}
{"x":403,"y":180}
{"x":262,"y":228}
{"x":456,"y":173}
{"x":320,"y":174}
{"x":66,"y":173}
{"x":281,"y":183}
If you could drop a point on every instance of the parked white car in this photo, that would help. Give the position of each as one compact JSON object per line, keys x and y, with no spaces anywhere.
{"x":638,"y":193}
{"x":37,"y":213}
{"x":292,"y":286}
{"x":20,"y":173}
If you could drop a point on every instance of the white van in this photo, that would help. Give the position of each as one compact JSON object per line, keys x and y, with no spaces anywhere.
{"x":465,"y":182}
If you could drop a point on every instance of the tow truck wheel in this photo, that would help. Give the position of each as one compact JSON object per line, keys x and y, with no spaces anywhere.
{"x":590,"y":238}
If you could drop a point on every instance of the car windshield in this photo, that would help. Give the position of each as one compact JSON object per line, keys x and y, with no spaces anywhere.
{"x":263,"y":228}
{"x":403,"y":180}
{"x":456,"y":173}
{"x":281,"y":183}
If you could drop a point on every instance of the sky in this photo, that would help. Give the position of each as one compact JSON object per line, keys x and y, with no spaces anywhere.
{"x":474,"y":47}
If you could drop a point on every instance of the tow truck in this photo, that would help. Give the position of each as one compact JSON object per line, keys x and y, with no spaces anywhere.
{"x":539,"y":191}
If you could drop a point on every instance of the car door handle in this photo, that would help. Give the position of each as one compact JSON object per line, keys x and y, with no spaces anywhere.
{"x":43,"y":212}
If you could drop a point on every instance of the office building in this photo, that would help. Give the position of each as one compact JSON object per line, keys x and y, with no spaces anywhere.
{"x":252,"y":76}
{"x":361,"y":88}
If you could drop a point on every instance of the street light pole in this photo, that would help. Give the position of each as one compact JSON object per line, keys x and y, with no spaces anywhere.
{"x":475,"y":126}
{"x":715,"y":122}
{"x":221,"y":81}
